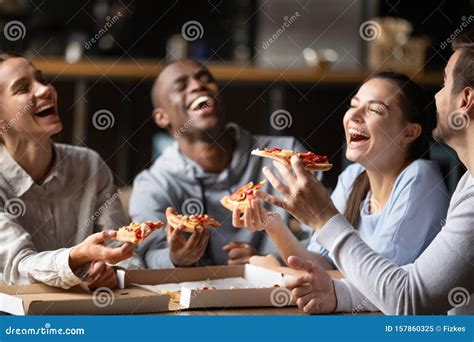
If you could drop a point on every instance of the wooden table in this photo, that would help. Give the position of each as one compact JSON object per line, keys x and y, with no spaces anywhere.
{"x":286,"y":311}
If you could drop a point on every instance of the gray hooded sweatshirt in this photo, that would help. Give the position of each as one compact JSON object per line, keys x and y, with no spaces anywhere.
{"x":176,"y":181}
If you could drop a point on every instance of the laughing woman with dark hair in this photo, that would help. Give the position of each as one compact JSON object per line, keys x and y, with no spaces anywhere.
{"x":393,"y":197}
{"x":55,"y":200}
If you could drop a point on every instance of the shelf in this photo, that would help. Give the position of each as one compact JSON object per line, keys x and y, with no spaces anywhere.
{"x":140,"y":69}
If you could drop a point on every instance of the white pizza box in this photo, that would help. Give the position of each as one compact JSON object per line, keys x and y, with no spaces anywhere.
{"x":40,"y":299}
{"x":235,"y":286}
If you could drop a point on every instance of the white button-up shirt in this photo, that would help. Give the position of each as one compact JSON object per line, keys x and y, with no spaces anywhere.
{"x":40,"y":223}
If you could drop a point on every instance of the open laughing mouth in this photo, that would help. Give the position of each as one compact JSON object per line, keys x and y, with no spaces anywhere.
{"x":357,"y":137}
{"x":46,"y":110}
{"x":202,"y":105}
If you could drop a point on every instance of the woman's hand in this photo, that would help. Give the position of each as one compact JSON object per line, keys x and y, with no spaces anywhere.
{"x":304,"y":196}
{"x":255,"y":217}
{"x":93,"y":249}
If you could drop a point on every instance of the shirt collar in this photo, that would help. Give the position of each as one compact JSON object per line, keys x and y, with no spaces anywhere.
{"x":240,"y":155}
{"x":17,"y":178}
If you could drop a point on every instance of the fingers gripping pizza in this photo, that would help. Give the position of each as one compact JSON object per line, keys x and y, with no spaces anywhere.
{"x":240,"y":199}
{"x":311,"y":161}
{"x":190,"y":222}
{"x":137,"y":232}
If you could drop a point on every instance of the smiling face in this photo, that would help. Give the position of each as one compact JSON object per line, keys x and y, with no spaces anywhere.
{"x":186,"y":96}
{"x":28,"y":106}
{"x":375,"y":126}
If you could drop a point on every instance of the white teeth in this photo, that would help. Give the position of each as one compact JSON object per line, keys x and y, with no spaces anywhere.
{"x":355,"y":131}
{"x":198,"y":101}
{"x":44,"y":107}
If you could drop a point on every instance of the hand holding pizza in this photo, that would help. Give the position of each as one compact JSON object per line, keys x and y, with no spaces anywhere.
{"x":255,"y":217}
{"x":93,"y":248}
{"x":304,"y":196}
{"x":186,"y":252}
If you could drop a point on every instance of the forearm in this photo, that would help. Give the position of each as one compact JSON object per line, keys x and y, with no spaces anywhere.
{"x":288,"y":245}
{"x":51,"y":268}
{"x":413,"y":289}
{"x":349,"y":299}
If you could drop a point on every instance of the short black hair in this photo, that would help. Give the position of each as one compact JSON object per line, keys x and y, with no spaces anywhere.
{"x":463,"y":71}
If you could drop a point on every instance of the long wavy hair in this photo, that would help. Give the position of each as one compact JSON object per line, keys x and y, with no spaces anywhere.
{"x":413,"y":106}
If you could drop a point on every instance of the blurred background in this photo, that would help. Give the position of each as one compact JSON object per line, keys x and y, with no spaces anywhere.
{"x":297,"y":60}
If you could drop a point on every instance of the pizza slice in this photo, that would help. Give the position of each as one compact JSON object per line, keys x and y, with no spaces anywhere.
{"x":311,"y":161}
{"x":240,"y":199}
{"x":137,"y":232}
{"x":190,"y":222}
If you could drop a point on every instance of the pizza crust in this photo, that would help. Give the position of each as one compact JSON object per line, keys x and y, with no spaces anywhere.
{"x":283,"y":158}
{"x":231,"y":204}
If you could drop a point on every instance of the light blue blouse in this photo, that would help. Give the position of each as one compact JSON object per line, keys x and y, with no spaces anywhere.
{"x":410,"y":219}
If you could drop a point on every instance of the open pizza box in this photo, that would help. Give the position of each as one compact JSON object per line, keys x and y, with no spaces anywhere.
{"x":214,"y":286}
{"x":39,"y":299}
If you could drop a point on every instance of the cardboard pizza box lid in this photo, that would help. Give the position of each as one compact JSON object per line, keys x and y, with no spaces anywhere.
{"x":39,"y":299}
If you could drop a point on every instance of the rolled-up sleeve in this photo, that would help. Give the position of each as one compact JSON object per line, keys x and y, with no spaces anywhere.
{"x":22,"y":264}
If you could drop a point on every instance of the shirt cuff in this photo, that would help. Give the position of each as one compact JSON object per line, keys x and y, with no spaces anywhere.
{"x":343,"y":295}
{"x":333,"y":231}
{"x":67,"y":276}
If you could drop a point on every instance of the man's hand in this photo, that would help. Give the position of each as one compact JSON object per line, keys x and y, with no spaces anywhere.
{"x":313,"y":292}
{"x":305,"y":197}
{"x":239,"y":252}
{"x":186,"y":252}
{"x":93,"y":249}
{"x":101,"y":275}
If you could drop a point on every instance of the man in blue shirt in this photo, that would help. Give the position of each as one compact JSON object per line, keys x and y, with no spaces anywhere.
{"x":208,"y":160}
